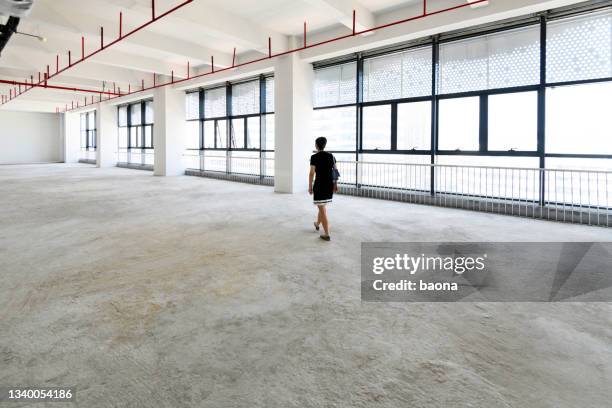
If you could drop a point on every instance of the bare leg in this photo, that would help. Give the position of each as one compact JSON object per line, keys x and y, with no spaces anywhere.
{"x":318,"y":216}
{"x":323,"y":219}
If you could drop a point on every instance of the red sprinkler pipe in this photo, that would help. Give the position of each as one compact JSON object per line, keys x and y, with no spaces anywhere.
{"x":132,"y":32}
{"x":320,"y":43}
{"x":62,"y":88}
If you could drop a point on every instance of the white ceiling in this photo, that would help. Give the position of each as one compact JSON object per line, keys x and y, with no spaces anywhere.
{"x":194,"y":33}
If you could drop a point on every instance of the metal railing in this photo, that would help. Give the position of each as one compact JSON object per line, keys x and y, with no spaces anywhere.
{"x":233,"y":166}
{"x":579,"y":196}
{"x":136,"y":158}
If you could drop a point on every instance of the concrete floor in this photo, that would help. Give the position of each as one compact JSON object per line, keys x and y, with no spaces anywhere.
{"x":189,"y":292}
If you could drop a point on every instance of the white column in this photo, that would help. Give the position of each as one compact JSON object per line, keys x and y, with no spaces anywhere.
{"x":293,"y":124}
{"x":169,"y":131}
{"x":107,"y":135}
{"x":72,"y":138}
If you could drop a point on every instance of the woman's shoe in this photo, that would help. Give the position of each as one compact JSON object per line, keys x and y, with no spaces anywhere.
{"x":325,"y":237}
{"x":316,"y":226}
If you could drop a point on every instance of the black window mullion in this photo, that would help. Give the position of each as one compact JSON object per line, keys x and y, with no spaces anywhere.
{"x":394,"y":126}
{"x":542,"y":107}
{"x":435,"y":104}
{"x":483,"y":133}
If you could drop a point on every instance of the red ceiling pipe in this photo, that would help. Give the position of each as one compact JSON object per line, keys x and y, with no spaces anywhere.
{"x":135,"y":30}
{"x":212,"y":63}
{"x":234,"y":58}
{"x":101,"y":38}
{"x":153,"y":10}
{"x":69,"y":60}
{"x":63,"y":88}
{"x":424,"y":7}
{"x":355,"y":32}
{"x":354,"y":22}
{"x":120,"y":24}
{"x":56,"y":63}
{"x":82,"y":48}
{"x":304,"y":34}
{"x":188,"y":70}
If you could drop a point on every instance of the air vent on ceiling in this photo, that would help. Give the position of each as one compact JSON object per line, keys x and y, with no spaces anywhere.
{"x":16,"y":8}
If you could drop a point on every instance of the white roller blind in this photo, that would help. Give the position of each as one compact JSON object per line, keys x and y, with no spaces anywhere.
{"x":245,"y":98}
{"x":192,"y":105}
{"x":403,"y":75}
{"x":335,"y":85}
{"x":579,"y":48}
{"x":502,"y":60}
{"x":214,"y":103}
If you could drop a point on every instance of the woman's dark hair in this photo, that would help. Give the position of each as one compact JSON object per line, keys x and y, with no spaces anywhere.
{"x":321,"y":142}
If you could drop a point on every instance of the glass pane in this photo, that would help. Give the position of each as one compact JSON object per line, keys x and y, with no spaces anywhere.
{"x":135,"y":114}
{"x":83,"y":121}
{"x":253,"y":132}
{"x":237,"y":136}
{"x":414,"y":126}
{"x":149,"y":112}
{"x":123,"y":138}
{"x":209,"y":134}
{"x":402,"y":75}
{"x":245,"y":98}
{"x":83,"y":139}
{"x":148,"y":136}
{"x":338,"y":125}
{"x":513,"y":122}
{"x":335,"y":85}
{"x":135,"y":139}
{"x":222,"y":134}
{"x":578,"y":119}
{"x":503,"y":60}
{"x":459,"y":124}
{"x":377,"y":127}
{"x":192,"y":105}
{"x":192,"y":140}
{"x":214,"y":103}
{"x":123,"y":116}
{"x":579,"y":48}
{"x":269,"y":123}
{"x":91,"y":120}
{"x":269,"y":94}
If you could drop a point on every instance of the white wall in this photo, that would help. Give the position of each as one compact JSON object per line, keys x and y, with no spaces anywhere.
{"x":29,"y":137}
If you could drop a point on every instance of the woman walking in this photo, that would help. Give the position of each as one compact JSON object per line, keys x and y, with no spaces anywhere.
{"x":323,"y":166}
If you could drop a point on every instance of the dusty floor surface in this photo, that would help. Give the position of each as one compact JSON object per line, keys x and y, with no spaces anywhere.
{"x":187,"y":292}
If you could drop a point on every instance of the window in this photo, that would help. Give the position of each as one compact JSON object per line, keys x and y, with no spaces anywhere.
{"x":579,"y":48}
{"x":135,"y":114}
{"x":268,"y":122}
{"x":88,"y":131}
{"x":377,"y":127}
{"x":192,"y":140}
{"x":513,"y":122}
{"x":149,"y":117}
{"x":253,"y":132}
{"x":209,"y":134}
{"x":459,"y":124}
{"x":136,"y":125}
{"x":238,"y":133}
{"x":335,"y":85}
{"x":221,"y":129}
{"x":269,"y":94}
{"x":401,"y":75}
{"x":215,"y":103}
{"x":502,"y":60}
{"x":192,"y":106}
{"x":578,"y":119}
{"x":338,"y":126}
{"x":245,"y":98}
{"x":414,"y":126}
